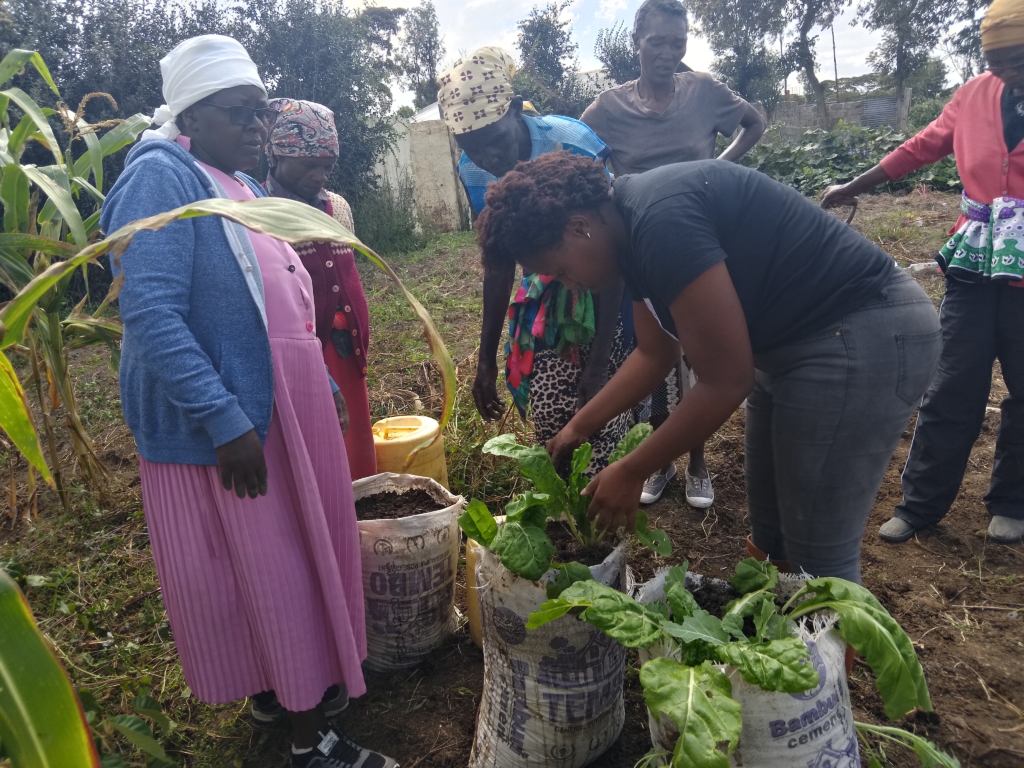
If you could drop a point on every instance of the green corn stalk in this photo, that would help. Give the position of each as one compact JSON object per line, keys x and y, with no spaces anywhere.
{"x":42,"y":224}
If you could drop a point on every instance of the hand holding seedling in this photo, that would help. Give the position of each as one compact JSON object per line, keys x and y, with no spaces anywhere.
{"x":614,"y":498}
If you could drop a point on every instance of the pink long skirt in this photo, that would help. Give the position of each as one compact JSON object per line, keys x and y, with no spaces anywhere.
{"x":266,"y":593}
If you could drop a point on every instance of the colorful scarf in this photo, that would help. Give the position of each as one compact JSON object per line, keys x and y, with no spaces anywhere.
{"x":303,"y":129}
{"x":543,"y":315}
{"x":990,"y":244}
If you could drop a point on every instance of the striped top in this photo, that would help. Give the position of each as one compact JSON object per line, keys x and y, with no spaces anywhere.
{"x":547,"y":134}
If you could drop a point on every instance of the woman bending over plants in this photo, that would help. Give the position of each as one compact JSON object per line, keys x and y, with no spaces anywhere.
{"x":772,"y":298}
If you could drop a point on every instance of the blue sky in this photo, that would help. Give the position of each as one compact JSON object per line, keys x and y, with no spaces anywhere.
{"x":469,"y":24}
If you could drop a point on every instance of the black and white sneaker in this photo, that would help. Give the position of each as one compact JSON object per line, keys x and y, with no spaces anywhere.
{"x":265,"y":708}
{"x":336,"y":750}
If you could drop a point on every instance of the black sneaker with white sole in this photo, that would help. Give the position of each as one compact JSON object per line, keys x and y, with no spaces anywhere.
{"x":265,"y":708}
{"x":336,"y":750}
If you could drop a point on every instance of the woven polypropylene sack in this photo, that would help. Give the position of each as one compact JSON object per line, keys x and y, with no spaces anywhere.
{"x":781,"y":730}
{"x":552,"y":696}
{"x":409,"y":569}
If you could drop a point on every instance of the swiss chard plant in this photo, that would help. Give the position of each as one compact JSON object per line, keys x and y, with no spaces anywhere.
{"x":755,"y":635}
{"x":521,"y":542}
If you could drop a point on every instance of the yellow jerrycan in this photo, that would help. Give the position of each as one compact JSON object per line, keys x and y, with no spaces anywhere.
{"x":395,"y":438}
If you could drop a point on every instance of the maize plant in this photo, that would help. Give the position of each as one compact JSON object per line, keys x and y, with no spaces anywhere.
{"x":42,"y":224}
{"x":45,"y":240}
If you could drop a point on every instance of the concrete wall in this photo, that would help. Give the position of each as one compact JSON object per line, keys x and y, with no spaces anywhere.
{"x":426,"y":157}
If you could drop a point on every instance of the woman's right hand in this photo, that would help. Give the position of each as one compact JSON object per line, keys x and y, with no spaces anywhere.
{"x":561,"y":446}
{"x":838,"y":195}
{"x":485,"y":392}
{"x":243,"y":466}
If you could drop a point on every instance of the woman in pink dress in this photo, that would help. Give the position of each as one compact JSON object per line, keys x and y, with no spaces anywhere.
{"x":245,"y":479}
{"x":303,"y":150}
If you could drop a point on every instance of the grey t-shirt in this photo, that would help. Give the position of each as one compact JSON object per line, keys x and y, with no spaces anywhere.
{"x":642,"y":139}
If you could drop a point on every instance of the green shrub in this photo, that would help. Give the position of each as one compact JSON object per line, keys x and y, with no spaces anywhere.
{"x":385,"y":218}
{"x":925,"y":111}
{"x":820,"y":158}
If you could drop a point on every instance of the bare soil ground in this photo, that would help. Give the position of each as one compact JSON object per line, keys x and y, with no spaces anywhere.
{"x":958,"y":595}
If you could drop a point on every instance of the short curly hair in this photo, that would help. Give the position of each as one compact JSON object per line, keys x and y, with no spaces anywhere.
{"x":666,"y":7}
{"x":529,"y":207}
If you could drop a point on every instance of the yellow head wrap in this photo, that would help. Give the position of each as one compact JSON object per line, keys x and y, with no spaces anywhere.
{"x":1003,"y":25}
{"x":476,"y":91}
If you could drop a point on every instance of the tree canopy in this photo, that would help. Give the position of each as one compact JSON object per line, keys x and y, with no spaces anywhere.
{"x":306,"y":49}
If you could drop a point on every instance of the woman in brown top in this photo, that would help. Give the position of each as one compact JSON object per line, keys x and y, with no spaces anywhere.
{"x":669,"y":117}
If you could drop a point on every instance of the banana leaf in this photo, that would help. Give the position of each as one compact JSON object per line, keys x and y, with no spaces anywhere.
{"x":41,"y":722}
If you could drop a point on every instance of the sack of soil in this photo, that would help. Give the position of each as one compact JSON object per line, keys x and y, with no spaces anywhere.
{"x":551,"y":697}
{"x":780,"y":730}
{"x":409,"y":542}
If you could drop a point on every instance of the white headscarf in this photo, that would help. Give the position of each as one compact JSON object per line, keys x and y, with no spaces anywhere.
{"x":195,"y":69}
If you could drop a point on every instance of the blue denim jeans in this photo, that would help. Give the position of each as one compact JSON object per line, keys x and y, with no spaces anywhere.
{"x":823,"y":420}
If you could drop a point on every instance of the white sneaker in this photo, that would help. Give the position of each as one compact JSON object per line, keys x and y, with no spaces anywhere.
{"x":657,"y":483}
{"x":699,"y":493}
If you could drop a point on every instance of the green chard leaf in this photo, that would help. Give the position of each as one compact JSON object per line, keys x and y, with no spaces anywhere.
{"x":580,"y":461}
{"x":478,"y":523}
{"x":781,"y":665}
{"x":677,"y":574}
{"x":616,"y":614}
{"x":528,"y":508}
{"x":866,"y":625}
{"x":631,"y":441}
{"x":701,"y":627}
{"x":753,"y":575}
{"x":680,"y":601}
{"x":524,"y":549}
{"x":655,"y":540}
{"x":567,"y":575}
{"x":504,"y":445}
{"x":699,"y":701}
{"x":536,"y":465}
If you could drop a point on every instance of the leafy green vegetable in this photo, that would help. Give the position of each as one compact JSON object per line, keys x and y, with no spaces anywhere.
{"x":523,"y":549}
{"x":631,"y":441}
{"x":770,"y":656}
{"x":753,"y":575}
{"x":528,"y":508}
{"x":617,"y":615}
{"x":552,"y":498}
{"x":701,"y":627}
{"x":655,"y":540}
{"x":680,"y":600}
{"x":566,"y":576}
{"x":699,"y":701}
{"x":781,"y":665}
{"x":867,"y":626}
{"x":478,"y":523}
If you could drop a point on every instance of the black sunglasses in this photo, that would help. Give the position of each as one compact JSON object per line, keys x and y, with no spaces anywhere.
{"x":240,"y":115}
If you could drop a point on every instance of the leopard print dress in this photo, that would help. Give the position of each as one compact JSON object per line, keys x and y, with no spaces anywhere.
{"x":554,"y":389}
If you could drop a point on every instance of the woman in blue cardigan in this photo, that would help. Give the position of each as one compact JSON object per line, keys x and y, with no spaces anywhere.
{"x":245,"y":479}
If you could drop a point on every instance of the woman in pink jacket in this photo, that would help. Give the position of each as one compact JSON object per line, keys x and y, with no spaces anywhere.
{"x":983,"y":307}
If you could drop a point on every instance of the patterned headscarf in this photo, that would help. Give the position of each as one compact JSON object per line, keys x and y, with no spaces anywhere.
{"x":1003,"y":25}
{"x":304,"y":129}
{"x":476,"y":91}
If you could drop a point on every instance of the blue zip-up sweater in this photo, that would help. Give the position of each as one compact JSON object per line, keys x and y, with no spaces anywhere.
{"x":196,"y":368}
